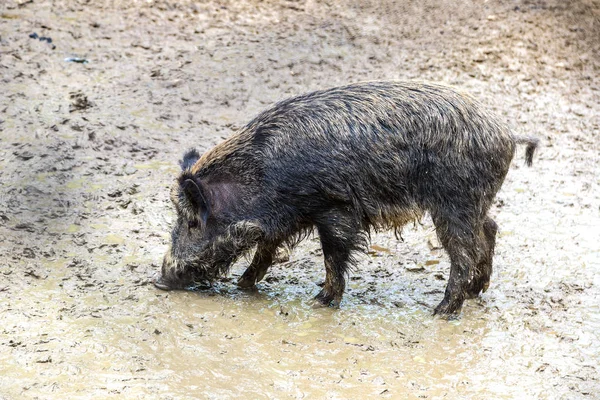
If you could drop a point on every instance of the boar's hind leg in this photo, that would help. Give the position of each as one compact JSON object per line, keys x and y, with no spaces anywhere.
{"x":462,"y":242}
{"x":263,"y":258}
{"x":483,"y":271}
{"x":340,"y":235}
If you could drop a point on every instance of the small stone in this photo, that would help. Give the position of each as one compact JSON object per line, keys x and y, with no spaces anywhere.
{"x":130,"y":170}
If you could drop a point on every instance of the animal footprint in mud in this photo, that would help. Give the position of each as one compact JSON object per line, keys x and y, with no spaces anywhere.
{"x":79,"y":101}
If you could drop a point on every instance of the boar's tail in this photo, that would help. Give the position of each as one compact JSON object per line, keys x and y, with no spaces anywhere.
{"x":532,"y":144}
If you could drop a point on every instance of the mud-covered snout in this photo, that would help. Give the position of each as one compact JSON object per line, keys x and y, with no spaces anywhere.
{"x":162,"y":283}
{"x":173,"y":274}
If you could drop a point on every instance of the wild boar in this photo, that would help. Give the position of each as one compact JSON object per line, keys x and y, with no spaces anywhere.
{"x":345,"y":161}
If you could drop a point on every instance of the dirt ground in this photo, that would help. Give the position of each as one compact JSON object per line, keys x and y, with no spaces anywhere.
{"x":88,"y":152}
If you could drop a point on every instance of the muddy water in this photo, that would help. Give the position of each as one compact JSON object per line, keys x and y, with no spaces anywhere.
{"x":84,"y":210}
{"x":383,"y":342}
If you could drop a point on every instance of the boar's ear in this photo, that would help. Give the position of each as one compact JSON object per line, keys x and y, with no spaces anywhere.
{"x":195,"y":199}
{"x":189,"y":159}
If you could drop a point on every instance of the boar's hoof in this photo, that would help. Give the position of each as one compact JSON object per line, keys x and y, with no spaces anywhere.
{"x":448,"y":308}
{"x":325,"y":299}
{"x":246,"y":282}
{"x":477,"y":287}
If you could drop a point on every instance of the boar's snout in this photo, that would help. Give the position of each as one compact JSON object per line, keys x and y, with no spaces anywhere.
{"x":160,"y":283}
{"x":171,"y":276}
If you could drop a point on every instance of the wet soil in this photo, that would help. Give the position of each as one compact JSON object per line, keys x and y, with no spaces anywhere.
{"x":93,"y":121}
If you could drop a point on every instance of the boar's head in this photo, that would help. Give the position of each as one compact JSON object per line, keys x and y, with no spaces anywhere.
{"x":209,"y":234}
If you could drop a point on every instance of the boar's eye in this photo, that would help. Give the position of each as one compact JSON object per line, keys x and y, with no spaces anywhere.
{"x":192,"y":224}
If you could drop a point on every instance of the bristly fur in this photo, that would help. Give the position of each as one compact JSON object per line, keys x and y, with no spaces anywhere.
{"x":189,"y":159}
{"x":343,"y":161}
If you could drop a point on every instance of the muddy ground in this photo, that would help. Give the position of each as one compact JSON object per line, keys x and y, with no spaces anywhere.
{"x":89,"y":150}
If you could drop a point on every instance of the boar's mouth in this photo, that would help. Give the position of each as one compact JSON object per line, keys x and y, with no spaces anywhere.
{"x":190,"y":276}
{"x":210,"y":263}
{"x":164,"y":283}
{"x":161,"y":283}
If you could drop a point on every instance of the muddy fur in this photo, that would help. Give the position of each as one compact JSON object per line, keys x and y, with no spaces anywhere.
{"x":344,"y":161}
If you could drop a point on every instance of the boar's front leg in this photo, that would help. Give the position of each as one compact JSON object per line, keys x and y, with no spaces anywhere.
{"x":263,"y":258}
{"x":340,"y":235}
